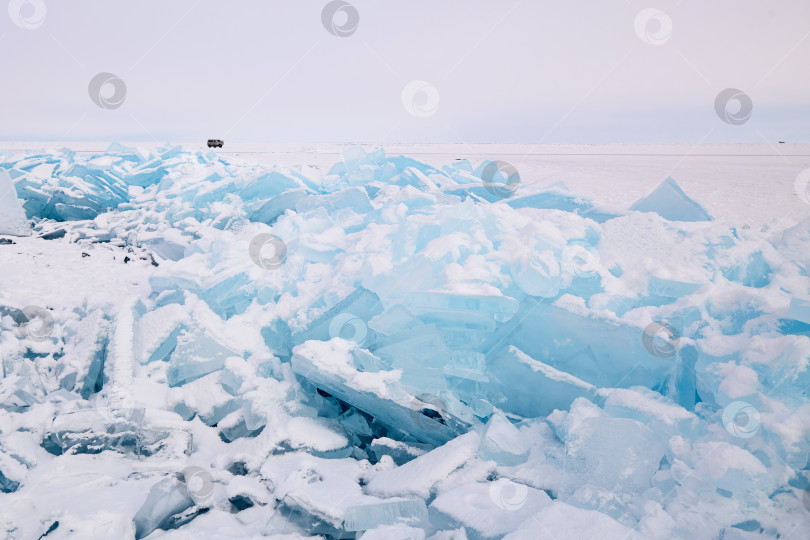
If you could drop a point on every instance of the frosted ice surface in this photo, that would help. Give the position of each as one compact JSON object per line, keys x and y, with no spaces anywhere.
{"x":167,"y":498}
{"x":670,"y":202}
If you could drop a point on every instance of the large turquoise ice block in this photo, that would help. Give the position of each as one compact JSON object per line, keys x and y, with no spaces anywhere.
{"x":556,"y":336}
{"x":522,"y":385}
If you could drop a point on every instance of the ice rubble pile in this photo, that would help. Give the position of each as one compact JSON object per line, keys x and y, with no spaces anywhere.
{"x":393,"y":350}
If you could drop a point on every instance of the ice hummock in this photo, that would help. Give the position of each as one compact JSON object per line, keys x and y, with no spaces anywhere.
{"x":431,"y":357}
{"x":670,"y":202}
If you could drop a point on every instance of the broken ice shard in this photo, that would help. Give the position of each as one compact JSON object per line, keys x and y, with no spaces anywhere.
{"x":670,"y":202}
{"x":167,"y":498}
{"x":196,"y":355}
{"x":600,"y":352}
{"x":525,"y":386}
{"x":12,"y":215}
{"x":330,"y":366}
{"x":799,"y":310}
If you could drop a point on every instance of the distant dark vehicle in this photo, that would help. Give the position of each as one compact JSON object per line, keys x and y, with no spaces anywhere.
{"x":781,"y":142}
{"x":215,"y":143}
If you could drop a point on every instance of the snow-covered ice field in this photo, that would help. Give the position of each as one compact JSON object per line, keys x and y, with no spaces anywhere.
{"x":425,"y":341}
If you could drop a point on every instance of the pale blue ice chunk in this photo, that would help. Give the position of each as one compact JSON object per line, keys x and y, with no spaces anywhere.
{"x":503,"y":443}
{"x":126,"y":153}
{"x":469,"y":365}
{"x":462,"y":307}
{"x":617,"y":454}
{"x":147,"y":174}
{"x":531,"y":388}
{"x":670,"y":202}
{"x":799,"y":310}
{"x":360,"y":306}
{"x":270,"y":211}
{"x":670,"y":288}
{"x":754,"y":271}
{"x":240,"y":424}
{"x":231,"y":296}
{"x":366,"y":361}
{"x":389,"y":511}
{"x":553,"y":335}
{"x":559,"y":200}
{"x":196,"y":355}
{"x":394,"y":320}
{"x":268,"y":185}
{"x":399,"y":451}
{"x":213,"y":417}
{"x":167,"y":498}
{"x":166,"y":249}
{"x":93,"y":380}
{"x":414,"y":350}
{"x":402,"y":163}
{"x":355,"y":199}
{"x":355,"y":423}
{"x":230,"y":381}
{"x":168,"y":152}
{"x":685,"y":383}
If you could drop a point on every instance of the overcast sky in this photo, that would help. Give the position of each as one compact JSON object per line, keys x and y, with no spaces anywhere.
{"x":590,"y":71}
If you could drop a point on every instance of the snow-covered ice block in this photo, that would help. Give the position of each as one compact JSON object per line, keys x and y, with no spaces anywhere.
{"x":502,"y":442}
{"x":650,"y":408}
{"x":488,"y":509}
{"x":196,"y":355}
{"x":712,"y":465}
{"x":346,"y":318}
{"x":330,"y":366}
{"x":12,"y":216}
{"x":420,"y":476}
{"x":670,"y":202}
{"x":399,"y":451}
{"x":394,"y":532}
{"x":166,"y":499}
{"x":561,"y":521}
{"x":618,"y":454}
{"x":156,"y":332}
{"x":329,"y":490}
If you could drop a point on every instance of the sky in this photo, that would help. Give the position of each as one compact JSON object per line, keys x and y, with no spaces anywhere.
{"x":421,"y":71}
